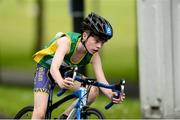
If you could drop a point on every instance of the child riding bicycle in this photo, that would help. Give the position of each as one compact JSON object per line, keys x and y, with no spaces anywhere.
{"x":72,"y":49}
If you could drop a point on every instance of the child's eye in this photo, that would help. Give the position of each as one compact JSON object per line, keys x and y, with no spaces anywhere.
{"x":98,"y":41}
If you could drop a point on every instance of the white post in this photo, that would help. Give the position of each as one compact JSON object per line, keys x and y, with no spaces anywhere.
{"x":159,"y":57}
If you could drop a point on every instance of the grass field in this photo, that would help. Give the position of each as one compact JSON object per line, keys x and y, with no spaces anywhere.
{"x":18,"y":31}
{"x":13,"y":98}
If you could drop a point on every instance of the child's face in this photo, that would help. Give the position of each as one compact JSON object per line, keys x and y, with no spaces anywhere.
{"x":94,"y":44}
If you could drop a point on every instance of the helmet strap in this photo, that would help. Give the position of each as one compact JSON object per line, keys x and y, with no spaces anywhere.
{"x":84,"y":42}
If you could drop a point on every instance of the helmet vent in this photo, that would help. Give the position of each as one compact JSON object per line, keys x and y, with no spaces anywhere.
{"x":98,"y":26}
{"x":94,"y":20}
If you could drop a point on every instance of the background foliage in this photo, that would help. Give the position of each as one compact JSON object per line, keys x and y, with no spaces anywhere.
{"x":18,"y":30}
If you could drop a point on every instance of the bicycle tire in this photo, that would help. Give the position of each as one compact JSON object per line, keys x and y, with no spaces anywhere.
{"x":23,"y":113}
{"x":93,"y":113}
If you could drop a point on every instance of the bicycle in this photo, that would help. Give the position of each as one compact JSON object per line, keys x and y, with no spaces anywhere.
{"x":80,"y":110}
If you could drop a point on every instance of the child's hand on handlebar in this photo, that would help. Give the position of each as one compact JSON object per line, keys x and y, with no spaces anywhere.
{"x":68,"y":83}
{"x":119,"y":99}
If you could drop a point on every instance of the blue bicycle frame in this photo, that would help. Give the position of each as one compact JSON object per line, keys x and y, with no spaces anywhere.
{"x":81,"y":94}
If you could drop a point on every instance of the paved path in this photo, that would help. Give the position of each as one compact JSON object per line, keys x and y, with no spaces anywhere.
{"x":16,"y":76}
{"x":25,"y":77}
{"x":2,"y":116}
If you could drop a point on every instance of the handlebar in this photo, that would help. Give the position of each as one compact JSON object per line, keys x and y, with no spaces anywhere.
{"x":118,"y":88}
{"x":121,"y":84}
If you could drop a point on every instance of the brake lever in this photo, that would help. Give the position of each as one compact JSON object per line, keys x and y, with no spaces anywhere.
{"x":119,"y":90}
{"x":75,"y":72}
{"x":123,"y":82}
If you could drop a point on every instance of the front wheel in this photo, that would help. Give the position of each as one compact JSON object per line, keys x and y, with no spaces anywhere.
{"x":92,"y":113}
{"x":25,"y":113}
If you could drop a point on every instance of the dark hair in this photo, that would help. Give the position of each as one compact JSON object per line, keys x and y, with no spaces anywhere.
{"x":97,"y":25}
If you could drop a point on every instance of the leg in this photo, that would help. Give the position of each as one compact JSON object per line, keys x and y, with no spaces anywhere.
{"x":41,"y":92}
{"x":40,"y":105}
{"x":94,"y":92}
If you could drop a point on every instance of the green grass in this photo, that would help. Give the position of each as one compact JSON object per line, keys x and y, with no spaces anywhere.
{"x":18,"y":30}
{"x":13,"y":98}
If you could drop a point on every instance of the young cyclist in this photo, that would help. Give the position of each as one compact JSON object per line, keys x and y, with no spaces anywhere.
{"x":72,"y":49}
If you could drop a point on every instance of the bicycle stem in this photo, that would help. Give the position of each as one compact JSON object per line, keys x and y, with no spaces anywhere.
{"x":75,"y":72}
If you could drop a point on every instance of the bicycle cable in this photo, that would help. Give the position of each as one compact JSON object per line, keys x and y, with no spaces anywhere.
{"x":87,"y":93}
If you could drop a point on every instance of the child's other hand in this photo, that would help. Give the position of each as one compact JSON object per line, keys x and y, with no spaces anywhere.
{"x":118,"y":100}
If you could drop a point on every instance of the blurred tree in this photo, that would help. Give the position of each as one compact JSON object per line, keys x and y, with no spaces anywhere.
{"x":77,"y":12}
{"x":39,"y":25}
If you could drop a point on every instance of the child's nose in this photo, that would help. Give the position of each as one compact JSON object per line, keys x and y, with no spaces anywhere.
{"x":99,"y":45}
